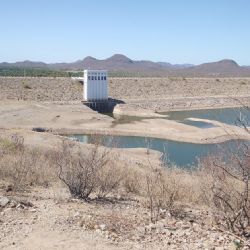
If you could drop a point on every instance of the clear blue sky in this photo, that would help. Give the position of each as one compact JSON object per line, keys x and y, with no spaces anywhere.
{"x":176,"y":31}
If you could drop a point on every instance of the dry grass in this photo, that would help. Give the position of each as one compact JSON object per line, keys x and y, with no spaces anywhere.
{"x":97,"y":173}
{"x":229,"y":186}
{"x":23,"y":167}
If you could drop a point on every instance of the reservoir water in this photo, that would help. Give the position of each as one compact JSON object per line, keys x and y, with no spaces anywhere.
{"x":181,"y":153}
{"x":177,"y":153}
{"x":232,"y":116}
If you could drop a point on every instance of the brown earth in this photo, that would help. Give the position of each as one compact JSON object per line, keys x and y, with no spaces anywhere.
{"x":127,"y":89}
{"x":55,"y":221}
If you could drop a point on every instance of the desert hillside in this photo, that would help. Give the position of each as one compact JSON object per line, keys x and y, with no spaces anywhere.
{"x":122,"y":65}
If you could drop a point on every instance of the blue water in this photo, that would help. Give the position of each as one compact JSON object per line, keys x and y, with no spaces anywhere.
{"x":232,"y":116}
{"x":198,"y":124}
{"x":181,"y":154}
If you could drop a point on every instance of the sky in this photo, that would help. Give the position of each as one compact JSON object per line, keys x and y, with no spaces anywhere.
{"x":175,"y":31}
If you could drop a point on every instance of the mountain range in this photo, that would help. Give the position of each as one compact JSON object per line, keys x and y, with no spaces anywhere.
{"x":121,"y":63}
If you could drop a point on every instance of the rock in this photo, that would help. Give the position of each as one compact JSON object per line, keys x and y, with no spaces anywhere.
{"x":99,"y":231}
{"x":39,"y":129}
{"x":26,"y":203}
{"x":13,"y":204}
{"x":221,"y":239}
{"x":185,"y":226}
{"x":32,"y":210}
{"x":195,"y":227}
{"x":9,"y":188}
{"x":81,"y":224}
{"x":77,"y":214}
{"x":102,"y":227}
{"x":4,"y":201}
{"x":179,"y":224}
{"x":163,"y":213}
{"x":160,"y":225}
{"x":152,"y":226}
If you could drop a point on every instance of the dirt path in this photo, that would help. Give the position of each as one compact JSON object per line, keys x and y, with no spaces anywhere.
{"x":46,"y":227}
{"x":47,"y":233}
{"x":56,"y":222}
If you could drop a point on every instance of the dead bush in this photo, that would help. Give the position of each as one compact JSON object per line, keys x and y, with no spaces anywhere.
{"x":153,"y":196}
{"x":88,"y":171}
{"x":163,"y":190}
{"x":132,"y":182}
{"x":109,"y":178}
{"x":229,"y":186}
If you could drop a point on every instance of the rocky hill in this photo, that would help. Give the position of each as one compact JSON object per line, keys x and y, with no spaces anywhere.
{"x":121,"y":63}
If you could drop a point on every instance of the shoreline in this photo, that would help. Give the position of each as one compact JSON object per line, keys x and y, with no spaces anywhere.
{"x":79,"y":119}
{"x":175,"y":131}
{"x":218,"y":139}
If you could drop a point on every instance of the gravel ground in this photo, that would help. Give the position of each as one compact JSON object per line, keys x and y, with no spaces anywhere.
{"x":117,"y":224}
{"x":151,"y":88}
{"x":63,"y":89}
{"x":40,"y":89}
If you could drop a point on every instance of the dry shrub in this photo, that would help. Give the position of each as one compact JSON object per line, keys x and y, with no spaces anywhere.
{"x":109,"y":178}
{"x":132,"y":181}
{"x":88,"y":172}
{"x":229,"y":187}
{"x":172,"y":187}
{"x":163,"y":190}
{"x":23,"y":167}
{"x":192,"y":182}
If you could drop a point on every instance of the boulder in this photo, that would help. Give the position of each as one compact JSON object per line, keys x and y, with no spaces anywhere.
{"x":4,"y":201}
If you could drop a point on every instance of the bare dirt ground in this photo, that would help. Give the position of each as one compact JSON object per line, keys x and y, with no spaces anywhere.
{"x":49,"y":219}
{"x":158,"y":94}
{"x":63,"y":89}
{"x":158,"y":88}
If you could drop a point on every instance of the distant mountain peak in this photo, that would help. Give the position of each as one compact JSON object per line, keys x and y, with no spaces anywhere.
{"x":89,"y":58}
{"x":228,"y":62}
{"x":121,"y":63}
{"x":119,"y":58}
